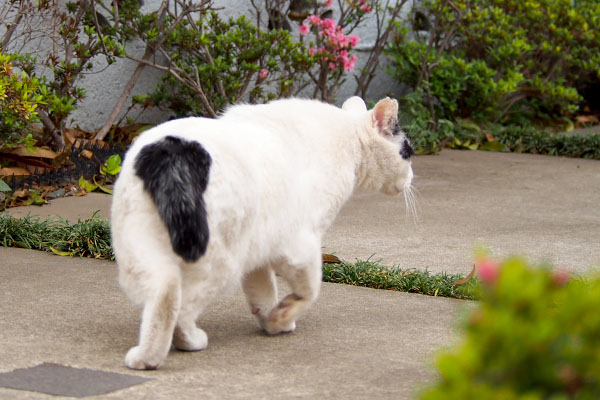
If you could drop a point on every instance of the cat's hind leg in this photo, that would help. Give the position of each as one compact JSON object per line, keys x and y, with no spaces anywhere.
{"x":260,"y":288}
{"x":301,"y":268}
{"x":158,"y":322}
{"x":187,"y":336}
{"x":202,"y":282}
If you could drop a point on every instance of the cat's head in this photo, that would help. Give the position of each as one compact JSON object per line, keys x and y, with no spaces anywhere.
{"x":386,"y":151}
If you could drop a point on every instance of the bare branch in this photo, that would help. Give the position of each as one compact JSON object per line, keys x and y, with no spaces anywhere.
{"x":149,"y":52}
{"x":363,"y":80}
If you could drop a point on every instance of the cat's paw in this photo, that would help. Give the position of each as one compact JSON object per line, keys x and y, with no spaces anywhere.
{"x":191,"y":340}
{"x":281,"y":318}
{"x":136,"y":360}
{"x":273,"y":328}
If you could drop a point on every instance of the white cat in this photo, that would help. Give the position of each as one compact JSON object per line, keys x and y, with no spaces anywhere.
{"x":203,"y":202}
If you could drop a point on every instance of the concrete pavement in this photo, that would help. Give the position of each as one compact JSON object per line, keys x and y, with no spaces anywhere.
{"x":545,"y":208}
{"x":354,"y":343}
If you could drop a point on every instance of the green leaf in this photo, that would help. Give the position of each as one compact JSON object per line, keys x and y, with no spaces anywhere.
{"x":4,"y":187}
{"x":35,"y":198}
{"x":112,"y":165}
{"x":105,"y":189}
{"x":87,"y":185}
{"x":493,"y":146}
{"x":62,"y":253}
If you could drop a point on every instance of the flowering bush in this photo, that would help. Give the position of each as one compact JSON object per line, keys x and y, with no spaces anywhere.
{"x":535,"y":335}
{"x":211,"y":63}
{"x":332,"y":43}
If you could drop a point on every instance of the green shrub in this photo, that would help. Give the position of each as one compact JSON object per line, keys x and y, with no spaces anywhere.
{"x":69,"y":34}
{"x":523,"y":139}
{"x":530,"y":140}
{"x":20,"y":96}
{"x":230,"y":61}
{"x":535,"y":335}
{"x":499,"y":60}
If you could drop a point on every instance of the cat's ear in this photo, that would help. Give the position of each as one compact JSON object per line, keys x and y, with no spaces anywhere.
{"x":354,"y":104}
{"x":385,"y":116}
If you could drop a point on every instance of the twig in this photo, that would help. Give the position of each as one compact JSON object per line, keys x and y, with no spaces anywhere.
{"x":11,"y":30}
{"x":98,"y":29}
{"x":363,"y":81}
{"x":148,"y":53}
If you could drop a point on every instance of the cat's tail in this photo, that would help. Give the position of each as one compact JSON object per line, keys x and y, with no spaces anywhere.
{"x":175,"y":173}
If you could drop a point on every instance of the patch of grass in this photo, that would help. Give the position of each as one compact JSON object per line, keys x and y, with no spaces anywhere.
{"x":87,"y":238}
{"x":374,"y":275}
{"x":529,"y":140}
{"x":91,"y":238}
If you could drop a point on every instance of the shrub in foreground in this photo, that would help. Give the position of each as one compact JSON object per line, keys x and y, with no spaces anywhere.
{"x":535,"y":335}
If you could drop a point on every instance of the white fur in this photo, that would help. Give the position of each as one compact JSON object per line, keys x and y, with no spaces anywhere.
{"x":280,"y":173}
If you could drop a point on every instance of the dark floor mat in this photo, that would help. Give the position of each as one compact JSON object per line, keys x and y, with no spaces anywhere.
{"x":59,"y":380}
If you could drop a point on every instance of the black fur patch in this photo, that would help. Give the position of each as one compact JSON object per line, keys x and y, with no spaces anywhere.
{"x":175,"y":172}
{"x":406,"y":151}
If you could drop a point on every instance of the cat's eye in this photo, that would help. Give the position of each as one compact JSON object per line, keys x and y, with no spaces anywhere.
{"x":396,"y":129}
{"x":406,"y":151}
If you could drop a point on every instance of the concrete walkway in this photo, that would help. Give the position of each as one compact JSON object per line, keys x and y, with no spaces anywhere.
{"x":355,"y":343}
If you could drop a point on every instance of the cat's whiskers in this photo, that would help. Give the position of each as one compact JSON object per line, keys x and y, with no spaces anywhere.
{"x":410,"y":200}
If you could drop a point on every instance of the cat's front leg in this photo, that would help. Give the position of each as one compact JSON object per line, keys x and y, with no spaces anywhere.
{"x":260,"y":288}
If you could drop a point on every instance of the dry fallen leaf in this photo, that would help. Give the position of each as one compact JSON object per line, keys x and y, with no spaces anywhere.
{"x":10,"y":171}
{"x":87,"y":154}
{"x":586,"y":119}
{"x":466,"y":278}
{"x":330,"y":259}
{"x":37,"y":152}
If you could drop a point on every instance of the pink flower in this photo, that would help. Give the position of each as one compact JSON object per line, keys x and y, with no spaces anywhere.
{"x":349,"y":63}
{"x":332,"y":66}
{"x":488,"y":271}
{"x":328,"y":23}
{"x":561,"y":277}
{"x":311,"y":51}
{"x":304,"y":29}
{"x":263,"y":73}
{"x":327,"y":3}
{"x":365,"y":6}
{"x":341,"y":39}
{"x":314,"y":19}
{"x":353,"y":40}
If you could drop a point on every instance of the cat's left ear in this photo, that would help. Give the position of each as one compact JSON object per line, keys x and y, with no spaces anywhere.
{"x":355,"y":104}
{"x":385,"y":116}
